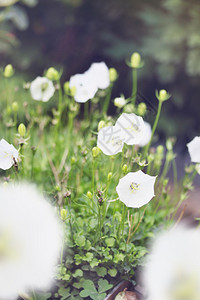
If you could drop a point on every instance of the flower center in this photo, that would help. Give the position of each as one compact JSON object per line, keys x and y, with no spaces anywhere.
{"x":134,"y":128}
{"x":44,"y":86}
{"x":134,"y":186}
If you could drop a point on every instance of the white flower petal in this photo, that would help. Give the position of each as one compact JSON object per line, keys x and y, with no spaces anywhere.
{"x":99,"y":74}
{"x":194,"y":149}
{"x":30,"y":240}
{"x":133,"y":128}
{"x":7,"y":155}
{"x":42,"y":89}
{"x":109,"y":140}
{"x":85,"y":87}
{"x":136,"y":189}
{"x":147,"y":135}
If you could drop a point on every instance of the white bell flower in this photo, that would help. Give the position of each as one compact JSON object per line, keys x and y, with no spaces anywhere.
{"x":42,"y":89}
{"x":147,"y":135}
{"x":30,"y":241}
{"x":99,"y":74}
{"x":132,"y":126}
{"x":85,"y":87}
{"x":110,"y":140}
{"x":120,"y":101}
{"x":172,"y":270}
{"x":8,"y":155}
{"x":194,"y":149}
{"x":136,"y":189}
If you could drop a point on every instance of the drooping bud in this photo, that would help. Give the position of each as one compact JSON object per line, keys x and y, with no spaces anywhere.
{"x":52,"y":74}
{"x":141,"y":109}
{"x":113,"y":74}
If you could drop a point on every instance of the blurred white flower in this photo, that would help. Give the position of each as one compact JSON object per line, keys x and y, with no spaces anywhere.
{"x":99,"y":75}
{"x":85,"y":88}
{"x":109,"y":140}
{"x":30,"y":240}
{"x":136,"y":189}
{"x":172,"y":271}
{"x":119,"y":101}
{"x":194,"y":149}
{"x":42,"y":89}
{"x":8,"y":155}
{"x":147,"y":135}
{"x":132,"y":127}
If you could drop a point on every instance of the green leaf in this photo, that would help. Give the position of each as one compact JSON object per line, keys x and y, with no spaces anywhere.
{"x":104,"y":285}
{"x":101,"y":271}
{"x":64,"y":292}
{"x":112,"y":272}
{"x":110,"y":242}
{"x":89,"y":289}
{"x":78,"y":273}
{"x":80,"y":241}
{"x":44,"y":296}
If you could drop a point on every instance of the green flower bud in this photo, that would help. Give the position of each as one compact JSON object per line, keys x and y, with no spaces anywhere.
{"x":63,"y":214}
{"x":129,"y":108}
{"x":22,"y":130}
{"x":141,"y":109}
{"x":15,"y":106}
{"x":120,"y":101}
{"x":72,"y":91}
{"x":124,"y":168}
{"x":162,"y":95}
{"x":135,"y":60}
{"x":66,"y":88}
{"x":160,"y":149}
{"x":109,"y":176}
{"x":52,"y":74}
{"x":95,"y":151}
{"x":73,"y":160}
{"x":101,"y":124}
{"x":113,"y":74}
{"x":8,"y":71}
{"x":89,"y":195}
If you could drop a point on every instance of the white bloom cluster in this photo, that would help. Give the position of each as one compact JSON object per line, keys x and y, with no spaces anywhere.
{"x":136,"y":189}
{"x":8,"y":155}
{"x":172,"y":271}
{"x":129,"y":129}
{"x":87,"y":84}
{"x":30,"y":240}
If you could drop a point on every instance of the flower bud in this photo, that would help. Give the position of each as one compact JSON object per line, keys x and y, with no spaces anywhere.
{"x":124,"y":168}
{"x":89,"y":195}
{"x":129,"y":108}
{"x":141,"y":109}
{"x":162,"y":95}
{"x":63,"y":214}
{"x":66,"y":88}
{"x":73,"y":160}
{"x":160,"y":149}
{"x":52,"y":74}
{"x":120,"y":101}
{"x":135,"y":60}
{"x":15,"y":106}
{"x":95,"y":151}
{"x":101,"y":124}
{"x":113,"y":74}
{"x":8,"y":71}
{"x":109,"y":176}
{"x":22,"y":130}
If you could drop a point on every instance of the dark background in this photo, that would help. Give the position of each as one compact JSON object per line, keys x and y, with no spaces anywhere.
{"x":71,"y":34}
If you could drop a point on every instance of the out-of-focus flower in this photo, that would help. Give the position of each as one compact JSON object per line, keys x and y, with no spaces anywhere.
{"x":172,"y":271}
{"x":7,"y":2}
{"x":147,"y":135}
{"x":132,"y":128}
{"x":120,"y":101}
{"x":136,"y":189}
{"x":8,"y":71}
{"x":30,"y":241}
{"x":194,"y":149}
{"x":8,"y":155}
{"x":99,"y":75}
{"x":84,"y":88}
{"x":110,"y":140}
{"x":42,"y":89}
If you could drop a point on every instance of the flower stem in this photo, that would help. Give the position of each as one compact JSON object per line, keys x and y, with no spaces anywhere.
{"x":107,"y":100}
{"x":134,"y":90}
{"x":154,"y":128}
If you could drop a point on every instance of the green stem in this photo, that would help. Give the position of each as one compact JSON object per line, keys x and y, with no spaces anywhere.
{"x":154,"y":128}
{"x":134,"y":90}
{"x":60,"y":98}
{"x":86,"y":110}
{"x":107,"y":100}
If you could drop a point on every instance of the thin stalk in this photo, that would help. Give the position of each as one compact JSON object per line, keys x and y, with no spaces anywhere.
{"x":107,"y":100}
{"x":86,"y":110}
{"x":154,"y":127}
{"x":134,"y":89}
